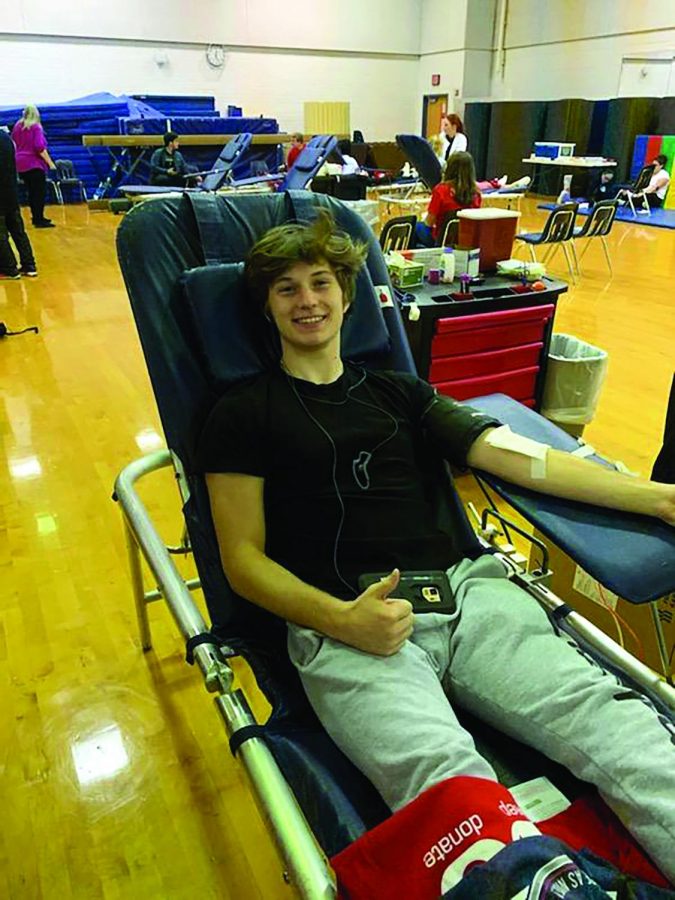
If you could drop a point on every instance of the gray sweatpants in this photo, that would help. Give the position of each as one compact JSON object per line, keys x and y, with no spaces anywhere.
{"x":502,"y":660}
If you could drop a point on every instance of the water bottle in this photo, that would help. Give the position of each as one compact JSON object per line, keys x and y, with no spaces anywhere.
{"x":447,"y":265}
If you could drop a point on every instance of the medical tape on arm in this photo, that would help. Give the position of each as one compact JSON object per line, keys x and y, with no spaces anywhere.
{"x":503,"y":438}
{"x":583,"y":451}
{"x":586,"y":450}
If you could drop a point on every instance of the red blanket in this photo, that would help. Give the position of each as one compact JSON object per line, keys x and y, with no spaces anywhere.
{"x":426,"y":848}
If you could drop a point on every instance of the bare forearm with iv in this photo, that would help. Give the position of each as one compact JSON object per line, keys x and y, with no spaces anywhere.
{"x":540,"y":468}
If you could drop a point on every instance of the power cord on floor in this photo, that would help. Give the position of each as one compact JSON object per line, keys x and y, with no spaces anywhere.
{"x":5,"y":332}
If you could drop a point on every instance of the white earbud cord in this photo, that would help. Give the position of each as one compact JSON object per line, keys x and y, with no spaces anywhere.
{"x":368,"y":455}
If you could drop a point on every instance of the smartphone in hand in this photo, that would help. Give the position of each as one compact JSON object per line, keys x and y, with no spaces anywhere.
{"x":428,"y":591}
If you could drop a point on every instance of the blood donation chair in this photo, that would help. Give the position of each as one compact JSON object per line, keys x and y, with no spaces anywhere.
{"x":213,"y":179}
{"x":309,"y":161}
{"x":181,"y":259}
{"x":420,"y":155}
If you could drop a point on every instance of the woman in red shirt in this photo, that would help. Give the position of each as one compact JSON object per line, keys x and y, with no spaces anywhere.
{"x":458,"y":190}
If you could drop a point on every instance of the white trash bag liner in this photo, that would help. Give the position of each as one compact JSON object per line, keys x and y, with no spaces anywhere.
{"x":574,"y":377}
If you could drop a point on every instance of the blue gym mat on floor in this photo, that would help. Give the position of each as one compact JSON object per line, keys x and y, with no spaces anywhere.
{"x":660,"y":218}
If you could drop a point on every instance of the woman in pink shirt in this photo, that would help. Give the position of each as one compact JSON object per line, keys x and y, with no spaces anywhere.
{"x":32,"y":161}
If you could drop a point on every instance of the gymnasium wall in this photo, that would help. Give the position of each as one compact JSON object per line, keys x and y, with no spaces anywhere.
{"x":379,"y":55}
{"x":277,"y":56}
{"x":574,"y":48}
{"x":456,"y":43}
{"x":350,"y":25}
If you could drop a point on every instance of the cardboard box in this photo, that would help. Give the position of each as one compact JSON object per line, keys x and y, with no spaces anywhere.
{"x":403,"y":272}
{"x":430,"y":257}
{"x":467,"y":261}
{"x":587,"y":597}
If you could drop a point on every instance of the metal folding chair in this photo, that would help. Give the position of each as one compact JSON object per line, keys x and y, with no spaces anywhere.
{"x":597,"y":224}
{"x":637,"y":190}
{"x":448,"y":233}
{"x":66,"y":177}
{"x":398,"y":233}
{"x":558,"y":231}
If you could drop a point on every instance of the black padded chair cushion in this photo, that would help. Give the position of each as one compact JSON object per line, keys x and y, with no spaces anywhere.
{"x":220,"y":307}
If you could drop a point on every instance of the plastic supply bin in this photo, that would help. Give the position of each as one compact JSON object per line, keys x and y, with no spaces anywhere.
{"x":492,"y":230}
{"x":553,"y":149}
{"x":574,"y":378}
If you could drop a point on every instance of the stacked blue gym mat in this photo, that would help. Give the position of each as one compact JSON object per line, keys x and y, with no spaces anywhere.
{"x":103,"y":113}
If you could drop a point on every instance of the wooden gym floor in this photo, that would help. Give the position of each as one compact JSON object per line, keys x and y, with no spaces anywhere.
{"x":117,"y":778}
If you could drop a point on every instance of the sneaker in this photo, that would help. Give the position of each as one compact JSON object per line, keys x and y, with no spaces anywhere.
{"x":46,"y":223}
{"x":29,"y":273}
{"x":7,"y":276}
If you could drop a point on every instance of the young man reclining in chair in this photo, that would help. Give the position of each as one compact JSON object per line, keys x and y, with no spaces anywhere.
{"x":315,"y":478}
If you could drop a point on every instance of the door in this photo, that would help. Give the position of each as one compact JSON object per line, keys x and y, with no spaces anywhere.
{"x":435,"y":106}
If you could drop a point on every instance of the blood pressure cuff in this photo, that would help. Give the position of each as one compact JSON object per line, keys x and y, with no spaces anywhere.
{"x":453,"y":427}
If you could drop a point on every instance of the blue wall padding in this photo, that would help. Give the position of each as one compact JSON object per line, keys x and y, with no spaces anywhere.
{"x":639,"y":155}
{"x":140,"y":110}
{"x":65,"y":123}
{"x":187,"y":105}
{"x":569,"y":121}
{"x":134,"y":125}
{"x":514,"y":127}
{"x":223,"y":125}
{"x":626,"y":118}
{"x":666,"y":123}
{"x":596,"y":138}
{"x":477,"y":125}
{"x":103,"y":113}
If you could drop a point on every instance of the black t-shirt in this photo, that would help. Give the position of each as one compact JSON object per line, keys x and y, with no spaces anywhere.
{"x":346,"y":491}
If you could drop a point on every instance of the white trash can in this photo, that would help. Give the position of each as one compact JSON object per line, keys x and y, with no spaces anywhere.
{"x":574,"y":378}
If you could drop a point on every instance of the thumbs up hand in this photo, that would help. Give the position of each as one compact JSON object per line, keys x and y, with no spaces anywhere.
{"x":376,"y":622}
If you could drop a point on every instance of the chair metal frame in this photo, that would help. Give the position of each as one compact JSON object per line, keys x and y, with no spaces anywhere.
{"x":637,"y":190}
{"x":398,"y":233}
{"x":304,"y":860}
{"x":67,"y":177}
{"x":597,"y":224}
{"x":53,"y":184}
{"x":449,"y":231}
{"x":306,"y":865}
{"x":558,"y":231}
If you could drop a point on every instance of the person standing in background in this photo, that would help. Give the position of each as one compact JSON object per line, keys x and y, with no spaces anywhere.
{"x":452,"y":134}
{"x":32,"y":162}
{"x":11,"y":222}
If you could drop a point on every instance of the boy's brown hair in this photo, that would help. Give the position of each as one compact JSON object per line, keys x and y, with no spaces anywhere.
{"x":319,"y":241}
